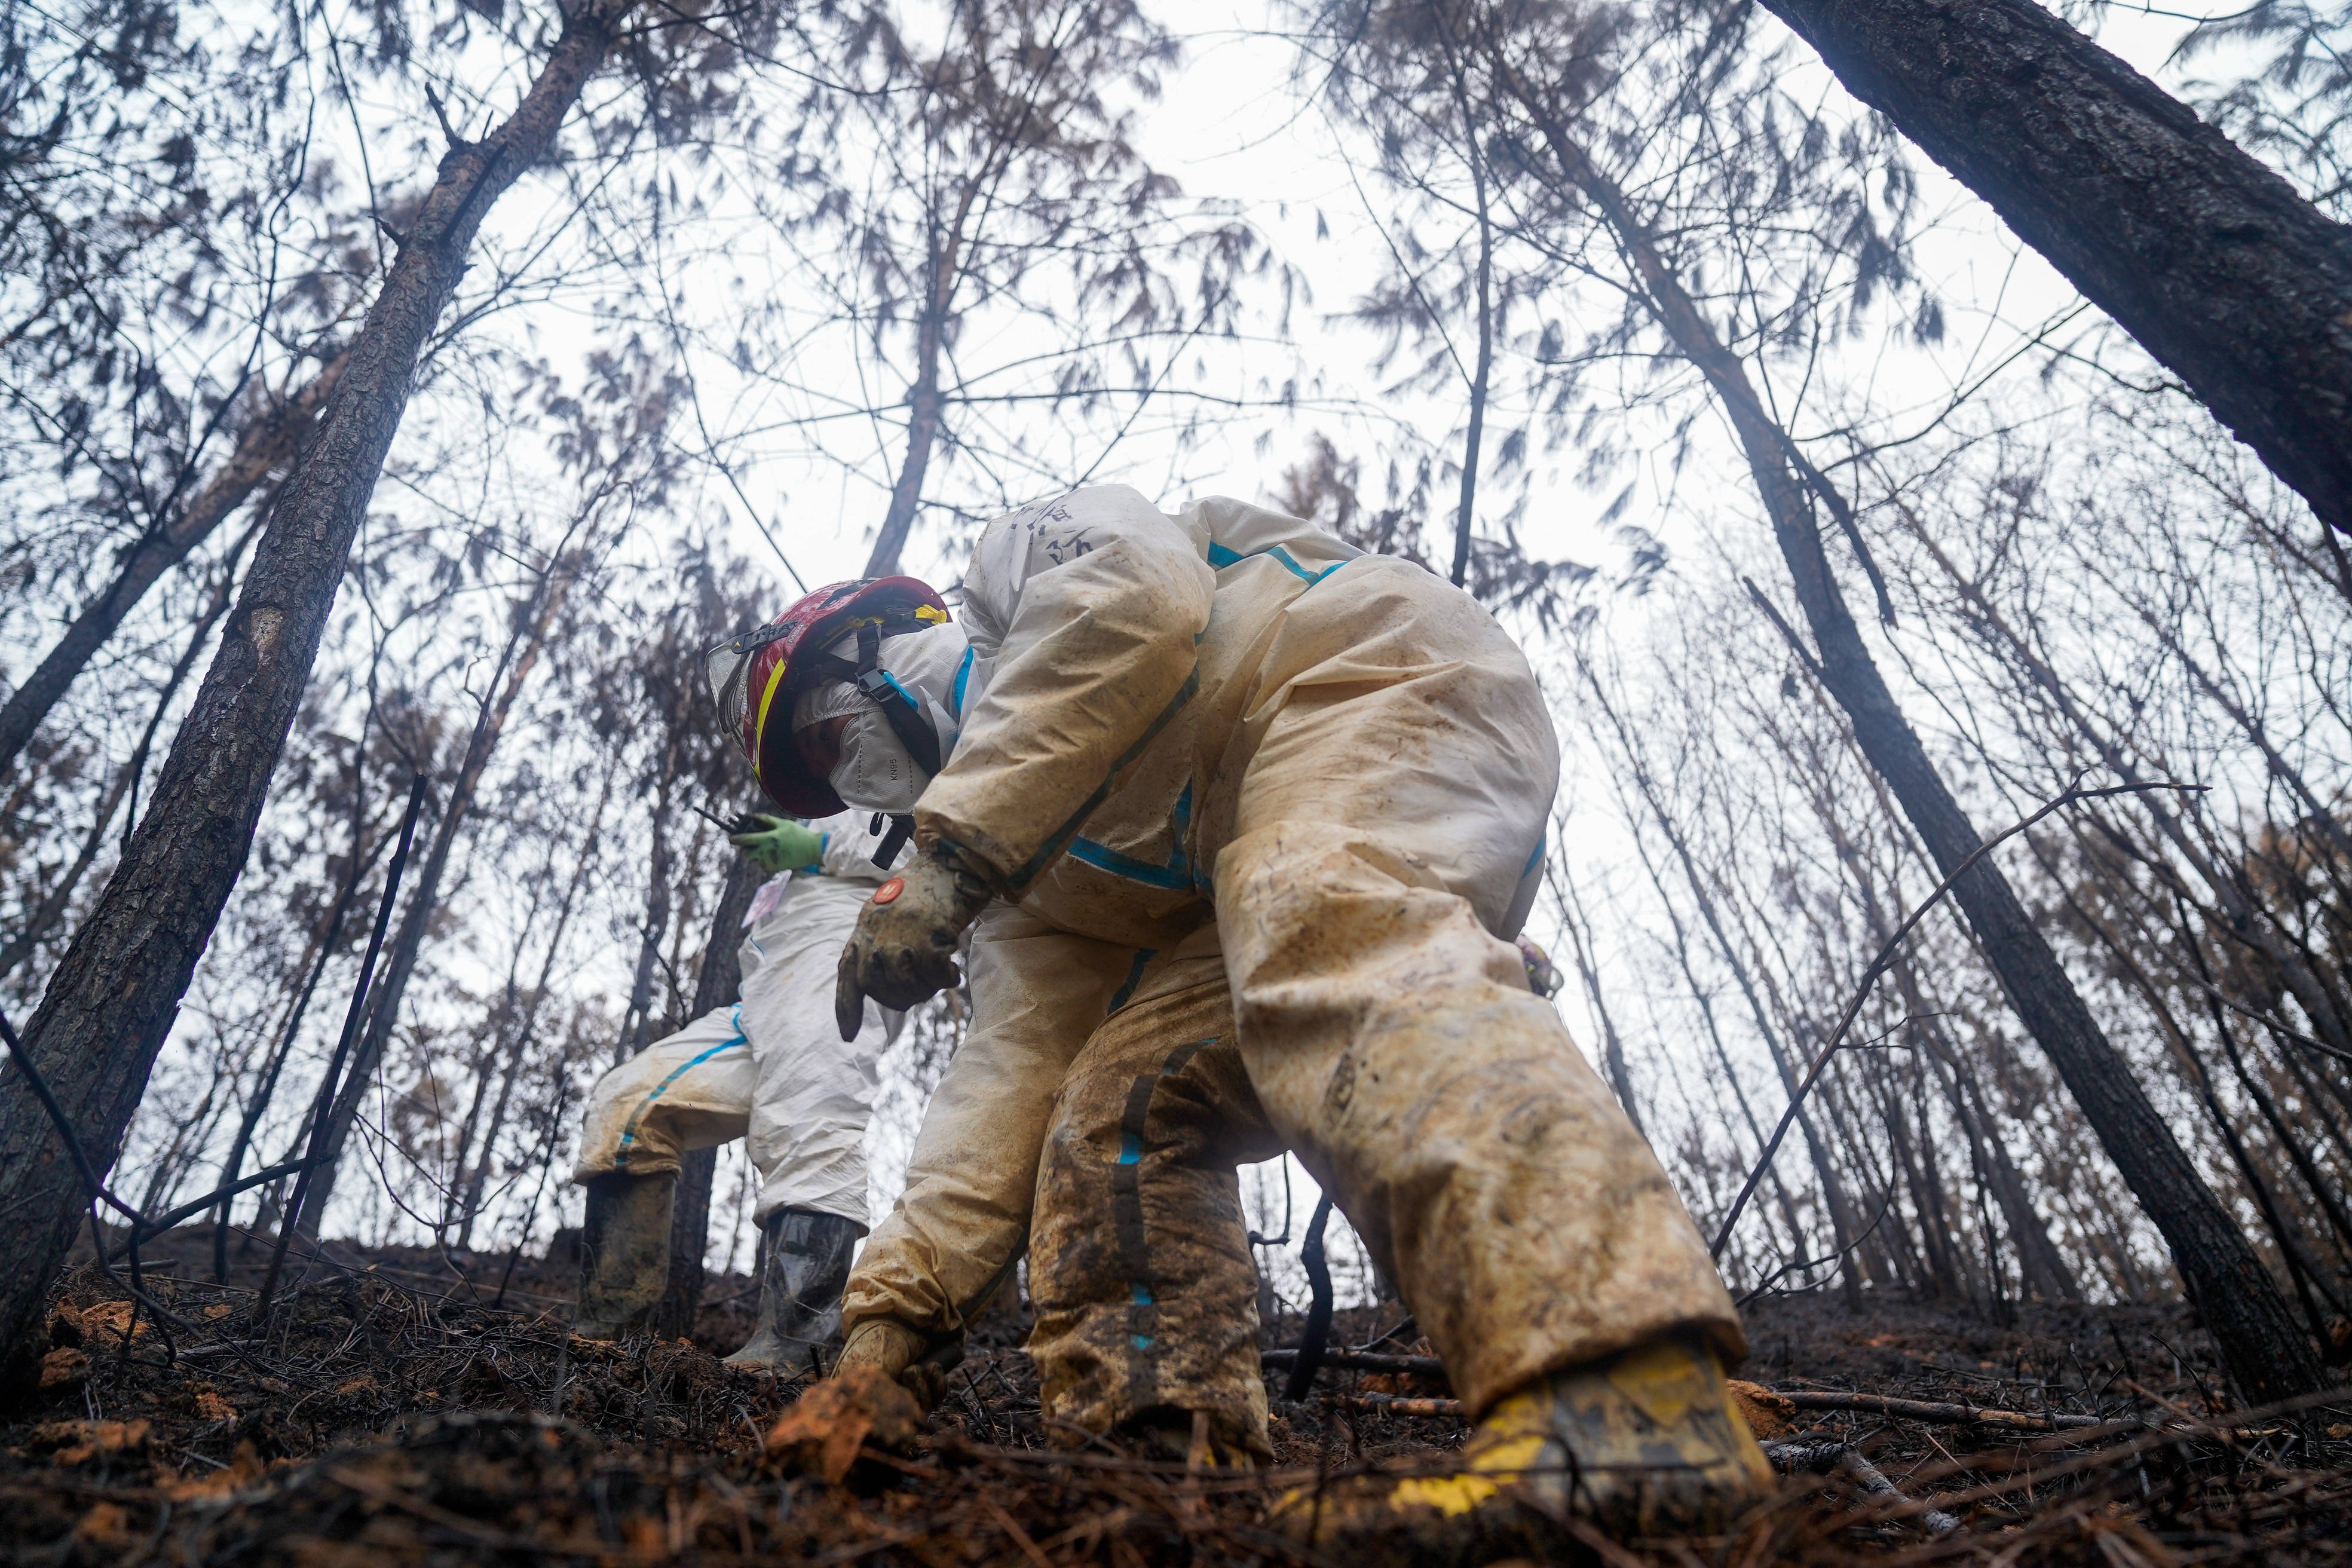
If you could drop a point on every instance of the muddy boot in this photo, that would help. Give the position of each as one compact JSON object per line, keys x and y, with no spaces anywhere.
{"x":624,"y":1254}
{"x":1186,"y":1438}
{"x":805,"y":1265}
{"x":1647,"y":1442}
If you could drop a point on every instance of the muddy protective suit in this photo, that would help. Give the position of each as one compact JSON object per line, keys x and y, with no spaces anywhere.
{"x":1225,"y":749}
{"x":1139,"y":1264}
{"x":770,"y":1068}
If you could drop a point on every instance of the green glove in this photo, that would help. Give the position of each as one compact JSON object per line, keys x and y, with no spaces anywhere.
{"x":782,"y":845}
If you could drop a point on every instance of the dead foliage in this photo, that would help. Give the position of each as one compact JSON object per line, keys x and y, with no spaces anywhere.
{"x":368,"y":1421}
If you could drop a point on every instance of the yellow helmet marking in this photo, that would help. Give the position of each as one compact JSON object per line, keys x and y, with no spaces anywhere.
{"x":932,"y":615}
{"x":760,"y":729}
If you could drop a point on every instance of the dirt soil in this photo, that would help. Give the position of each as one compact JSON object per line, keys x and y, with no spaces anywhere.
{"x":399,"y":1408}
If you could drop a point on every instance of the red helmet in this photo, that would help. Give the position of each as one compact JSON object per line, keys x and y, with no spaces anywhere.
{"x":757,"y":676}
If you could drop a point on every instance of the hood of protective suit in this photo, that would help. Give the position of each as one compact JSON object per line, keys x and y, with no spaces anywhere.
{"x":877,"y":773}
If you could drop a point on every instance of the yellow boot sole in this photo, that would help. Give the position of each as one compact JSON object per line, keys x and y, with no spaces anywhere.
{"x":1647,"y":1442}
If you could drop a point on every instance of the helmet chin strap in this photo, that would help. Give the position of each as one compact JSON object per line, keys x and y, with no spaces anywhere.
{"x":901,"y":830}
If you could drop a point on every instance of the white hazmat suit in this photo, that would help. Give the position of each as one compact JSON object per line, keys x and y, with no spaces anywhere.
{"x":770,"y":1068}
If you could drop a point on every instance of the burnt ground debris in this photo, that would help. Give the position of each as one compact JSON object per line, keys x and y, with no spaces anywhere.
{"x":405,"y":1407}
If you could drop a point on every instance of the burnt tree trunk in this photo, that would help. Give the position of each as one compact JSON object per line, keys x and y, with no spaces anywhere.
{"x":638,"y":1031}
{"x":2234,"y":1295}
{"x":2236,"y":1298}
{"x":719,"y":983}
{"x":926,"y":403}
{"x":112,"y":999}
{"x":52,"y":907}
{"x":2237,"y":284}
{"x":266,"y":446}
{"x":1483,"y":374}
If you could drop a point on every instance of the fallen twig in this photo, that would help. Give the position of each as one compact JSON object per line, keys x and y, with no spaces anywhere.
{"x":1822,"y":1455}
{"x":1935,"y":1410}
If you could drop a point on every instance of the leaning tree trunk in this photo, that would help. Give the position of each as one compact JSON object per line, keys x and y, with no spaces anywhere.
{"x":719,"y":983}
{"x":52,"y":907}
{"x":2237,"y":1299}
{"x":111,"y":1002}
{"x":2210,"y":260}
{"x":265,"y":446}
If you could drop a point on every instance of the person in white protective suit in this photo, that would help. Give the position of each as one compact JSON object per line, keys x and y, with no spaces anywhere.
{"x":771,"y":1068}
{"x":1243,"y":822}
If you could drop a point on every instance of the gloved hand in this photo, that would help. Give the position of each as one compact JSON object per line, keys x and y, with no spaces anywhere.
{"x":903,"y":950}
{"x":900,"y":1353}
{"x":783,"y":845}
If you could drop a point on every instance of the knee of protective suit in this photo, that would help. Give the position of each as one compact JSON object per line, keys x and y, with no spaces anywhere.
{"x":631,"y":1128}
{"x":1304,"y":905}
{"x":1084,"y":1126}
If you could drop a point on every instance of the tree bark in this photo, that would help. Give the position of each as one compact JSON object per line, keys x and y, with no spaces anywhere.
{"x":266,"y":446}
{"x":2238,"y":1299}
{"x":719,"y":983}
{"x":2233,"y":281}
{"x":112,"y":1000}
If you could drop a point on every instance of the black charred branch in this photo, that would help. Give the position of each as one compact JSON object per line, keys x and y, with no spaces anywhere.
{"x":2233,"y":281}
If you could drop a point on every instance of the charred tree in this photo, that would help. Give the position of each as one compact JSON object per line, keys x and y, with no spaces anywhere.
{"x":268,"y":444}
{"x":2236,"y":1297}
{"x":719,"y":983}
{"x":535,"y":617}
{"x":2233,"y":281}
{"x":113,"y":998}
{"x":516,"y":1029}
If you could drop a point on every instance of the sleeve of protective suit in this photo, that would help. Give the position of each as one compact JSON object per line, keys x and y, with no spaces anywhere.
{"x":1090,"y":606}
{"x":849,"y":845}
{"x":963,"y":1220}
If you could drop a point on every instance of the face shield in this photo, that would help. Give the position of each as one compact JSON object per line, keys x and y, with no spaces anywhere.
{"x":728,"y":667}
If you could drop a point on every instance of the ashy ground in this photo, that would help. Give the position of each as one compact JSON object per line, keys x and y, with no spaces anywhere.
{"x":412,"y":1408}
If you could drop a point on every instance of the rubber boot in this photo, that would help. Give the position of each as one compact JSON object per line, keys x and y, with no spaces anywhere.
{"x":624,"y":1254}
{"x":806,"y":1263}
{"x":1187,"y":1437}
{"x":1647,"y":1442}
